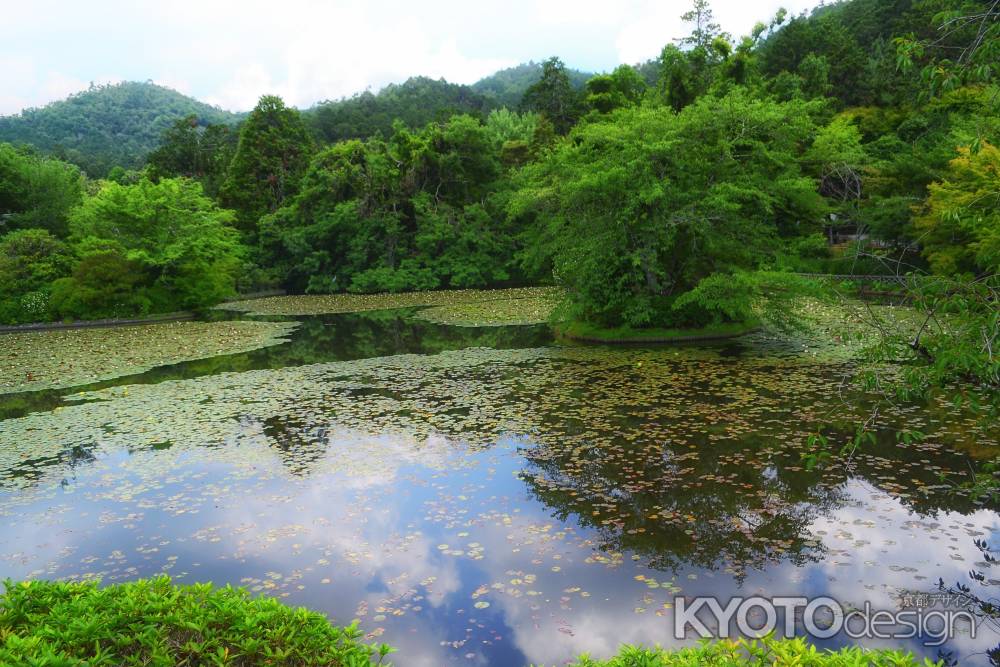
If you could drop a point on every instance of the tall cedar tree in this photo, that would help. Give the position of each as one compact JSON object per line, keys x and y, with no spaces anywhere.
{"x":272,"y":155}
{"x":553,"y":96}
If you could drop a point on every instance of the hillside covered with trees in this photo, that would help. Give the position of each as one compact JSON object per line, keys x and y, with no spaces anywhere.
{"x":120,"y":125}
{"x":506,"y":87}
{"x":107,"y":126}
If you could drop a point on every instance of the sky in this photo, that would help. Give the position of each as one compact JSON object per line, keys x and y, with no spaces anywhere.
{"x":230,"y":52}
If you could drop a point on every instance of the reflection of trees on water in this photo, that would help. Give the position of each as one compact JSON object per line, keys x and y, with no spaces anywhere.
{"x":688,"y":511}
{"x":735,"y":506}
{"x":300,"y":447}
{"x":30,"y":472}
{"x":701,"y":463}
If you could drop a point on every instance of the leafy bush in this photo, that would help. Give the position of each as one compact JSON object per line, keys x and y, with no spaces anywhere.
{"x":104,"y":284}
{"x":406,"y":278}
{"x":169,"y":239}
{"x":29,"y":260}
{"x":153,"y":622}
{"x":765,"y":653}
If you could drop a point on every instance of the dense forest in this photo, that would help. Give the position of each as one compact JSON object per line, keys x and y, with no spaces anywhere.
{"x":420,"y":101}
{"x":861,"y":137}
{"x":107,"y":126}
{"x":120,"y":125}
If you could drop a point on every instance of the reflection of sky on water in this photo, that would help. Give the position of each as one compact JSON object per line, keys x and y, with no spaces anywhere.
{"x":411,"y":542}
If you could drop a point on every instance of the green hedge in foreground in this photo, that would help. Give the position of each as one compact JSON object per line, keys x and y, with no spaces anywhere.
{"x":154,"y":622}
{"x":764,"y":653}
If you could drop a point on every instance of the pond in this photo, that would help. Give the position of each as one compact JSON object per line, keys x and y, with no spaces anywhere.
{"x":486,"y":495}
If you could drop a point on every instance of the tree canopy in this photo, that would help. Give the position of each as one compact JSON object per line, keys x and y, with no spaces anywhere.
{"x":272,"y":154}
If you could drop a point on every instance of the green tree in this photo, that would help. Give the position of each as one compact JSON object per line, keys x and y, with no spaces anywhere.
{"x":30,"y":259}
{"x":963,"y":49}
{"x":409,"y":213}
{"x":676,"y":84}
{"x":180,"y":249}
{"x":815,"y":73}
{"x":636,"y":210}
{"x":607,"y":92}
{"x":553,"y":96}
{"x":36,"y":191}
{"x":505,"y":125}
{"x":193,"y":150}
{"x":704,"y":29}
{"x":838,"y":160}
{"x":960,"y":227}
{"x":272,"y":154}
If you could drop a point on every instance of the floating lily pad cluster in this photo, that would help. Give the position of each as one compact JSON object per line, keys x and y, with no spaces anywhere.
{"x":66,"y":358}
{"x":523,"y":305}
{"x":533,"y":308}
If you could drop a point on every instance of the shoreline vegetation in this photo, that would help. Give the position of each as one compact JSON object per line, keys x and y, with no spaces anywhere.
{"x":156,"y":621}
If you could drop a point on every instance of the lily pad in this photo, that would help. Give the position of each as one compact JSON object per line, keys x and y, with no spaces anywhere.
{"x":37,"y":360}
{"x":323,"y":304}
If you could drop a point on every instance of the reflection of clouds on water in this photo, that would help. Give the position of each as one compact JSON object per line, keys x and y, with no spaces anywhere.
{"x":350,"y":488}
{"x":378,"y":539}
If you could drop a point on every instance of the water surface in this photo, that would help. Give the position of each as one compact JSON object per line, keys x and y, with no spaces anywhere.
{"x":485,"y":496}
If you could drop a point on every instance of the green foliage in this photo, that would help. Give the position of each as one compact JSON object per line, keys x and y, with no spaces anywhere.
{"x":153,"y":622}
{"x":964,"y":49}
{"x":106,"y":126}
{"x":415,"y":102}
{"x":30,"y":260}
{"x":36,"y":191}
{"x":159,"y":246}
{"x":760,"y":652}
{"x":553,"y":96}
{"x":194,"y":150}
{"x":409,"y":213}
{"x":104,"y":284}
{"x":636,"y":210}
{"x":704,"y":28}
{"x":506,"y":87}
{"x":505,"y":125}
{"x":841,"y":50}
{"x":960,"y":230}
{"x":273,"y":152}
{"x":607,"y":92}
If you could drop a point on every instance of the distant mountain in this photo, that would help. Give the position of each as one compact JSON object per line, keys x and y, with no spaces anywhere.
{"x":107,"y":125}
{"x":120,"y":124}
{"x":506,"y":87}
{"x":416,"y":102}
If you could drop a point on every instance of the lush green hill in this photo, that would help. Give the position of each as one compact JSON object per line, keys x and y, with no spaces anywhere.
{"x":416,"y":102}
{"x":107,"y":125}
{"x":121,"y":124}
{"x":506,"y":87}
{"x":420,"y":100}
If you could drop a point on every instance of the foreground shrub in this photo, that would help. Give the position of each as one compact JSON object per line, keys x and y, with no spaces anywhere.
{"x":764,"y":653}
{"x":153,"y":622}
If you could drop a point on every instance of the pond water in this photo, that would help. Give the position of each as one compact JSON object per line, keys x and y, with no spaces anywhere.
{"x":487,"y":496}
